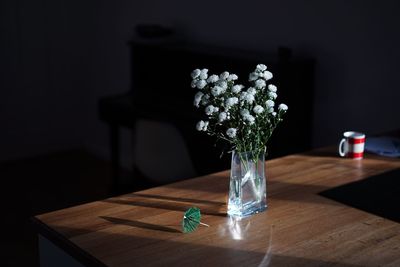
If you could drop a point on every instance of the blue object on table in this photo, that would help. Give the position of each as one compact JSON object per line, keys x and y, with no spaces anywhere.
{"x":384,"y":146}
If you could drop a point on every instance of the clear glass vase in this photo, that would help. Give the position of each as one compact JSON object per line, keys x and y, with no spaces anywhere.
{"x":247,"y":188}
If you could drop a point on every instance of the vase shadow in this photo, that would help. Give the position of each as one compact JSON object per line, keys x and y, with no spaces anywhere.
{"x":178,"y":199}
{"x":214,"y":210}
{"x":202,"y":185}
{"x":139,"y":224}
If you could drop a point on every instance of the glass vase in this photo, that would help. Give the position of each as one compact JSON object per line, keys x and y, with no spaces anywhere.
{"x":247,"y":188}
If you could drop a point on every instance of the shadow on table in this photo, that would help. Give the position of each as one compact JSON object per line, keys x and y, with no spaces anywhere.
{"x":307,"y":193}
{"x":280,"y":260}
{"x":378,"y":194}
{"x":176,"y":205}
{"x":179,"y":199}
{"x":139,"y":224}
{"x":275,"y":190}
{"x":212,"y":185}
{"x":144,"y":251}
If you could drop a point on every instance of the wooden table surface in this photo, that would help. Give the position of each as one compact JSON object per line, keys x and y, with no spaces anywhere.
{"x":299,"y":228}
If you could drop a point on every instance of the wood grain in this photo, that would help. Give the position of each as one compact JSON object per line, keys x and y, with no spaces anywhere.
{"x":300,"y":227}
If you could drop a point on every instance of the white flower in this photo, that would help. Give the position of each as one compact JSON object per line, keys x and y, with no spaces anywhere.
{"x":205,"y":125}
{"x":283,"y":107}
{"x":201,"y":84}
{"x":253,"y":76}
{"x":272,"y":88}
{"x":204,"y":99}
{"x":237,"y":88}
{"x":269,"y":103}
{"x":237,"y":109}
{"x":272,"y":95}
{"x":249,"y":98}
{"x":223,"y":84}
{"x":224,"y":75}
{"x":210,"y":110}
{"x":232,"y":77}
{"x":244,"y":112}
{"x":195,"y":73}
{"x":231,"y":102}
{"x":258,"y":109}
{"x":249,"y":118}
{"x":193,"y":84}
{"x":213,"y":78}
{"x":251,"y":91}
{"x":197,"y":98}
{"x":261,"y":67}
{"x":222,"y":116}
{"x":231,"y":132}
{"x":200,"y":126}
{"x":267,"y":75}
{"x":203,"y":74}
{"x":216,"y":90}
{"x":260,"y":84}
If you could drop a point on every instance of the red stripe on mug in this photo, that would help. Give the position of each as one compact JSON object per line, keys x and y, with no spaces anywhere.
{"x":355,"y":155}
{"x":356,"y":141}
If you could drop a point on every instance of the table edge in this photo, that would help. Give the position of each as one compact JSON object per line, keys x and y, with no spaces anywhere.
{"x":66,"y":245}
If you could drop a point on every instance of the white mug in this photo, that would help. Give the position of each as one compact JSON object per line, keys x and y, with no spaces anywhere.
{"x":352,"y":145}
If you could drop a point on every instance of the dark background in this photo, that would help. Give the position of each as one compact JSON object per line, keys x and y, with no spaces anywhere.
{"x":58,"y":57}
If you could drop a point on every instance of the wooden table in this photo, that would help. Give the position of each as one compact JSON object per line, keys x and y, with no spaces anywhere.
{"x":300,"y":227}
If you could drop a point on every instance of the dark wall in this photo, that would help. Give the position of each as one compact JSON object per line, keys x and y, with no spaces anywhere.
{"x":354,"y":42}
{"x":44,"y":81}
{"x":58,"y":57}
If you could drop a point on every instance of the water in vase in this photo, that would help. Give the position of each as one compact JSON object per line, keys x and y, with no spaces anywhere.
{"x":247,"y":189}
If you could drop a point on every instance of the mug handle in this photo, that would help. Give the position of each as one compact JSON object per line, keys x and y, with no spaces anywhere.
{"x":341,"y":147}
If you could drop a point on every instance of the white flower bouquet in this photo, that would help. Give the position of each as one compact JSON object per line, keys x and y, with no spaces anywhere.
{"x":244,"y":116}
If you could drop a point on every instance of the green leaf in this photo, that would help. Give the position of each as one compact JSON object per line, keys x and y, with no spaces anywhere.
{"x":191,"y":220}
